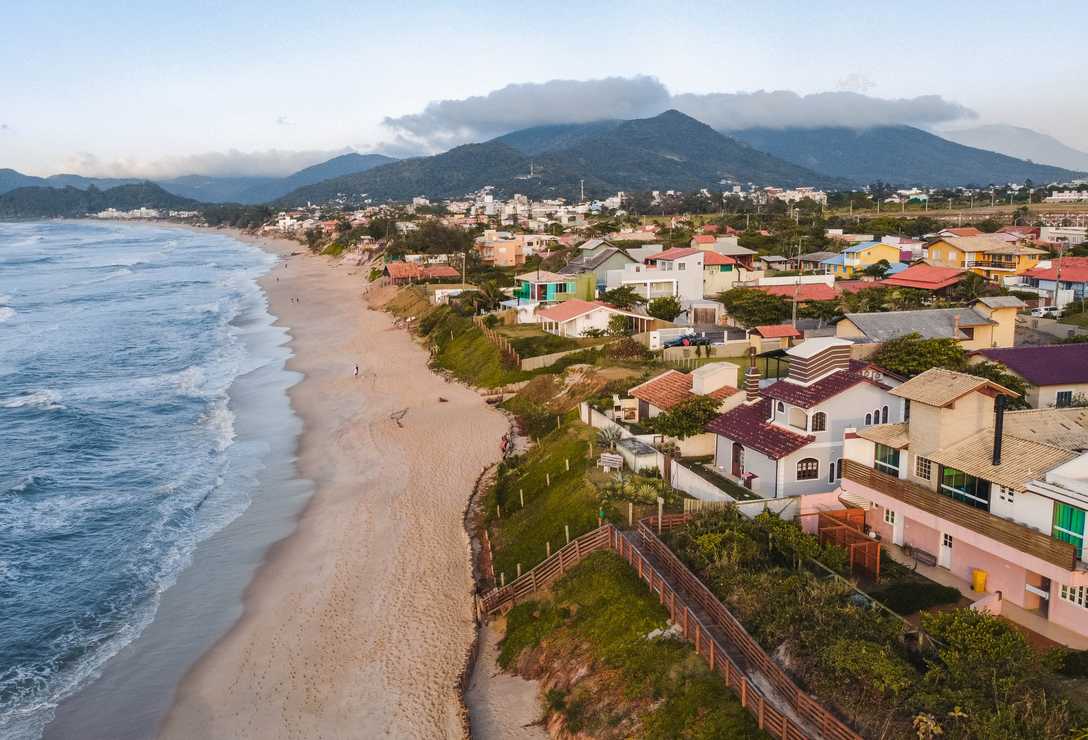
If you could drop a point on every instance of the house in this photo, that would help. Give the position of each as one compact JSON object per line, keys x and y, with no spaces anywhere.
{"x":812,"y":260}
{"x":728,"y":246}
{"x":1030,"y":233}
{"x":773,"y":336}
{"x":960,"y":231}
{"x":717,"y":380}
{"x":940,"y":281}
{"x":787,"y":439}
{"x":542,"y":286}
{"x":703,"y":241}
{"x":993,"y":259}
{"x":575,"y":317}
{"x":598,"y":262}
{"x":676,"y":272}
{"x":988,"y":322}
{"x":720,"y":273}
{"x":772,"y":262}
{"x":856,"y":258}
{"x":996,"y":498}
{"x":1044,"y":277}
{"x":401,"y":273}
{"x":1055,"y":374}
{"x":1069,"y":236}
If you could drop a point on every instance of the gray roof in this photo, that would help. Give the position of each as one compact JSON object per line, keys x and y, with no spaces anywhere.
{"x":773,"y":258}
{"x":732,"y":250}
{"x":1002,"y":301}
{"x":817,"y":256}
{"x":931,"y":324}
{"x":590,"y":262}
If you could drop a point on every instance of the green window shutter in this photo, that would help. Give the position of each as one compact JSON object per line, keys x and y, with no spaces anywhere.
{"x":1069,"y":525}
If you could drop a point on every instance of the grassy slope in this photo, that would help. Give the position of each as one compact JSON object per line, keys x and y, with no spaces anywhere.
{"x":520,"y":535}
{"x":602,"y":604}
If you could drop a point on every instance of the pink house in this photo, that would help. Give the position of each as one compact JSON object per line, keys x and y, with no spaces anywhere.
{"x":998,"y":498}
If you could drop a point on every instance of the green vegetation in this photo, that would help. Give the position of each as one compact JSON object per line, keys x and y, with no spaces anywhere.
{"x":751,"y":307}
{"x":622,"y":297}
{"x":47,"y":202}
{"x":912,"y":596}
{"x":911,"y":355}
{"x":666,"y":309}
{"x":520,"y":534}
{"x":601,"y":612}
{"x":981,"y":679}
{"x":687,"y":419}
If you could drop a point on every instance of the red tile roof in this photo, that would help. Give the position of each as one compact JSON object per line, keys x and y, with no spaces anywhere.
{"x":711,"y":229}
{"x":714,"y":258}
{"x":748,"y":425}
{"x":412,"y":271}
{"x":674,"y":254}
{"x":806,"y":292}
{"x":777,"y":331}
{"x":1074,"y":270}
{"x":925,"y":277}
{"x":807,"y":396}
{"x":704,"y":239}
{"x":962,"y":231}
{"x":571,"y":309}
{"x":671,"y":388}
{"x":440,"y":271}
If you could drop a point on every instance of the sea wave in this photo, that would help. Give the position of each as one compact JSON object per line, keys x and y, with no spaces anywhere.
{"x":221,"y":420}
{"x":46,"y":400}
{"x":6,"y":313}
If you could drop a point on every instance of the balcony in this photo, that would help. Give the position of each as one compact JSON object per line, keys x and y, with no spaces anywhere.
{"x":1037,"y":544}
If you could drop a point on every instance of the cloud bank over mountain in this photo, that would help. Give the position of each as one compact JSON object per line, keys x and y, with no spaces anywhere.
{"x":447,"y":123}
{"x":231,"y":163}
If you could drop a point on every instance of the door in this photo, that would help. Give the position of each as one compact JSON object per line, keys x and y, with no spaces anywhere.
{"x":738,"y":459}
{"x":703,"y":316}
{"x":944,"y":558}
{"x":897,"y":529}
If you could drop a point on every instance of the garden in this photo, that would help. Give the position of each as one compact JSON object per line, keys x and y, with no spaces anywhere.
{"x":963,"y":674}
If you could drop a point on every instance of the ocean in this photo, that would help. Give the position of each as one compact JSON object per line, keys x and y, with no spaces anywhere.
{"x":143,"y":410}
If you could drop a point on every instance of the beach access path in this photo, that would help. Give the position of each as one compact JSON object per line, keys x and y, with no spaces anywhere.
{"x":357,"y":625}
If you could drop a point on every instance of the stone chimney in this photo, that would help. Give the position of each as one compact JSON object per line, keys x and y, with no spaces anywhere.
{"x":751,"y":378}
{"x":956,"y":326}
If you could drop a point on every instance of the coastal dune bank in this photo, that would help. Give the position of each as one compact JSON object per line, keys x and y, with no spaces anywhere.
{"x":358,"y":623}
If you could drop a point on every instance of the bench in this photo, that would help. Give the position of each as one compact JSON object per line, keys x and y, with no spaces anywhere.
{"x":921,"y":556}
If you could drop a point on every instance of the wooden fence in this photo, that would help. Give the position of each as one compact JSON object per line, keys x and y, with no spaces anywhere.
{"x":501,"y":342}
{"x":772,"y":719}
{"x":803,"y":704}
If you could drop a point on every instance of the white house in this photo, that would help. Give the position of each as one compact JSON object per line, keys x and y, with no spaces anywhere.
{"x":674,"y":272}
{"x":787,"y":439}
{"x":575,"y":317}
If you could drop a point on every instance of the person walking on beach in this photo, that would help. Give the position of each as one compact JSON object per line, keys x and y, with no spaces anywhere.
{"x":356,"y":371}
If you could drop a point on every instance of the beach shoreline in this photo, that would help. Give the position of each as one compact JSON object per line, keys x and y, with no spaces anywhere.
{"x":358,"y":623}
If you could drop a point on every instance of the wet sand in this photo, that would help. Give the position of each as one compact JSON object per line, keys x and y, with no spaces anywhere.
{"x":358,"y":623}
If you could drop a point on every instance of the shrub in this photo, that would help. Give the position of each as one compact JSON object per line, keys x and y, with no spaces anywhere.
{"x":627,"y":349}
{"x":911,"y":597}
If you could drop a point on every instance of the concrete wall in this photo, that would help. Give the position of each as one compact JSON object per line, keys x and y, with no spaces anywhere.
{"x":1041,"y":398}
{"x":693,"y":485}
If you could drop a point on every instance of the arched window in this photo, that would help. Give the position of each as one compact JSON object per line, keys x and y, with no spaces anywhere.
{"x":808,"y":469}
{"x":876,"y":416}
{"x":868,"y":420}
{"x":819,"y":422}
{"x":835,"y":471}
{"x":884,"y":415}
{"x":781,"y":407}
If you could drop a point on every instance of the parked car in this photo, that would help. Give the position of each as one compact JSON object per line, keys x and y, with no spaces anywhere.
{"x":1046,"y":312}
{"x":688,"y":340}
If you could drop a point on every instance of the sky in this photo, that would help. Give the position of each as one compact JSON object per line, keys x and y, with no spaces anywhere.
{"x":159,"y":89}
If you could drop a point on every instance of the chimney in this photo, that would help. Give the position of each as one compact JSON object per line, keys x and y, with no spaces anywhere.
{"x":751,"y":378}
{"x":999,"y":426}
{"x":956,"y":326}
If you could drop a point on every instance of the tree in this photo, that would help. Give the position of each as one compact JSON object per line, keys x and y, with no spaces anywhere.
{"x":622,"y":297}
{"x":877,"y":269}
{"x":866,"y":300}
{"x":1000,"y":374}
{"x":911,"y":355}
{"x":666,"y":309}
{"x":687,"y":418}
{"x":824,"y":311}
{"x":750,"y":307}
{"x":619,"y":326}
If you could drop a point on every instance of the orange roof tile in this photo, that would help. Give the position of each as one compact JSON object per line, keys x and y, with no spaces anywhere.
{"x":777,"y":331}
{"x":671,"y":388}
{"x":571,"y":309}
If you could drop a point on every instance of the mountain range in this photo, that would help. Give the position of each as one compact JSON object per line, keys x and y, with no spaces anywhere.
{"x":668,"y":151}
{"x":209,"y":189}
{"x":1022,"y":143}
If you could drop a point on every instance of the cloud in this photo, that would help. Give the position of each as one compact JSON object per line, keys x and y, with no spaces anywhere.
{"x":231,"y":163}
{"x":284,"y":121}
{"x":4,"y":128}
{"x":447,"y":123}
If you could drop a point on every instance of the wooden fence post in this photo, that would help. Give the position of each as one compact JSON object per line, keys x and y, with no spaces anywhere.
{"x":519,"y":570}
{"x":548,"y":478}
{"x":521,"y":495}
{"x":548,"y":550}
{"x":498,"y":511}
{"x":566,"y":530}
{"x":567,"y":461}
{"x":502,"y":579}
{"x":630,"y":514}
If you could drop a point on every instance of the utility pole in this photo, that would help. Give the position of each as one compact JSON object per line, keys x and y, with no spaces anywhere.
{"x":582,"y":186}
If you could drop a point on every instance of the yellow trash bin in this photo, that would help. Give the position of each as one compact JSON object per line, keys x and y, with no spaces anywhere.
{"x":978,"y":581}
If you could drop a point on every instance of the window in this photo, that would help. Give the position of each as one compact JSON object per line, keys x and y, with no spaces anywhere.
{"x":781,"y":407}
{"x":965,"y":488}
{"x":1069,"y":526}
{"x":868,"y":420}
{"x":681,"y":266}
{"x":886,"y":460}
{"x":1005,"y":494}
{"x":876,"y":416}
{"x":1077,"y":595}
{"x":808,"y":469}
{"x":884,"y":415}
{"x":923,"y":468}
{"x":889,"y":516}
{"x":1064,"y":399}
{"x":835,"y":471}
{"x":906,"y":409}
{"x":936,"y":253}
{"x":968,"y":332}
{"x":819,"y":422}
{"x":946,"y":540}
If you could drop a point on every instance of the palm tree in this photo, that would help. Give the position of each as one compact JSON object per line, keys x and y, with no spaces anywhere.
{"x":608,"y":437}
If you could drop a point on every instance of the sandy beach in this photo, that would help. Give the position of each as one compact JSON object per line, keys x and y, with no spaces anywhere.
{"x":357,"y":625}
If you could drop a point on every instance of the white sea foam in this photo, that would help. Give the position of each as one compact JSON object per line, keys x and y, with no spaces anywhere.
{"x":47,"y":400}
{"x":221,"y":419}
{"x":6,"y":313}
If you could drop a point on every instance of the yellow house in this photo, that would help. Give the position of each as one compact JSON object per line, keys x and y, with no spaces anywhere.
{"x":989,"y":322}
{"x":986,"y":255}
{"x":855,"y":259}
